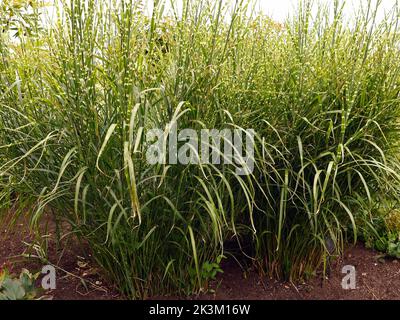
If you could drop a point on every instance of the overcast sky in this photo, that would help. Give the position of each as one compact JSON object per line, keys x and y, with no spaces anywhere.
{"x":280,"y":9}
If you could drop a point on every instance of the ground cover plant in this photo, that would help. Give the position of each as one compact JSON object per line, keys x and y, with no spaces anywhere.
{"x":78,"y":97}
{"x":18,"y":288}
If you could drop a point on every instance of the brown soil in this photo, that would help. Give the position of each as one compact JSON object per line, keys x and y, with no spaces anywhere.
{"x":79,"y":278}
{"x":376,"y":279}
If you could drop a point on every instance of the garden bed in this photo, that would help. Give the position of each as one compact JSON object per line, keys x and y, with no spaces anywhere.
{"x":169,"y":141}
{"x":377,"y":278}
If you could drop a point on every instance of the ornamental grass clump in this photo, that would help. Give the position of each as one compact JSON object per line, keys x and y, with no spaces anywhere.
{"x":79,"y":98}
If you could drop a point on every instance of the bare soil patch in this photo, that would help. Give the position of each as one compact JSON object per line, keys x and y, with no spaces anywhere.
{"x":79,"y":278}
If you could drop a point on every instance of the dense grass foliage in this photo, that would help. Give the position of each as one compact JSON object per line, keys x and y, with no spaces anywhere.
{"x":322,"y":95}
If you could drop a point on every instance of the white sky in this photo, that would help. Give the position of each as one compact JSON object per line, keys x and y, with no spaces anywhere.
{"x":280,"y":9}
